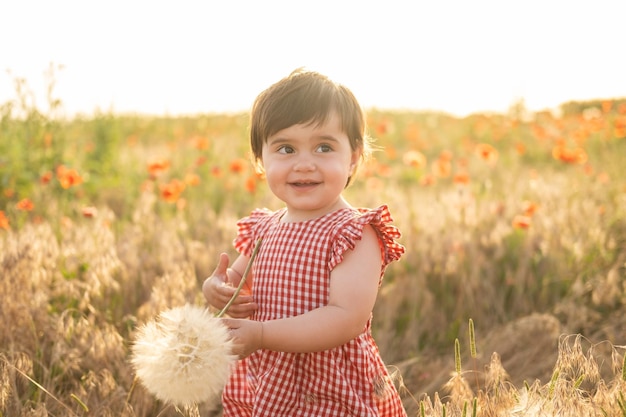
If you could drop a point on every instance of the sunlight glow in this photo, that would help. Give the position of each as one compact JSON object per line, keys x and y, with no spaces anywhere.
{"x":195,"y":57}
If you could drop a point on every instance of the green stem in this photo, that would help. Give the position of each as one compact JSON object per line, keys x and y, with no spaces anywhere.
{"x":243,"y":279}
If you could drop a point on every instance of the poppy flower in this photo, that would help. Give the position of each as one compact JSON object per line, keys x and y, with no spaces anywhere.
{"x":89,"y":212}
{"x":68,"y":177}
{"x":441,"y":167}
{"x":383,"y":127}
{"x":157,"y":167}
{"x":414,"y":159}
{"x":45,"y":178}
{"x":521,"y":222}
{"x":412,"y":133}
{"x":4,"y":221}
{"x":237,"y":165}
{"x":200,"y":143}
{"x":251,"y":183}
{"x":606,"y":106}
{"x":529,"y":208}
{"x":201,"y":160}
{"x":428,"y":180}
{"x":192,"y":179}
{"x":25,"y":205}
{"x":47,"y":139}
{"x":575,"y":155}
{"x":216,"y":172}
{"x":461,"y":178}
{"x":171,"y":191}
{"x":487,"y":152}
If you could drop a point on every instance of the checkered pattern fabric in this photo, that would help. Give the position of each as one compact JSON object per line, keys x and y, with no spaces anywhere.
{"x":291,"y":276}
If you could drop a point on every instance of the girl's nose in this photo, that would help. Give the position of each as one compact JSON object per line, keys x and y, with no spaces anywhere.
{"x":304,"y":163}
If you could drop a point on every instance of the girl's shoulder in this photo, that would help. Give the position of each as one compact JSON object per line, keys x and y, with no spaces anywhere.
{"x":259,"y":215}
{"x":378,"y":218}
{"x":251,"y":227}
{"x":348,"y":230}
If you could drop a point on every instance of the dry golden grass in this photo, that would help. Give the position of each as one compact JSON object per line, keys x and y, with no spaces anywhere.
{"x":547,"y":297}
{"x":72,"y":300}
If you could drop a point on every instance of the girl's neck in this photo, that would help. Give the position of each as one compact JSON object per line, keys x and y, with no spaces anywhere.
{"x":296,"y":216}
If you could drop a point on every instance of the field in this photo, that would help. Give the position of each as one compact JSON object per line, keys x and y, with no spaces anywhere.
{"x":509,"y":301}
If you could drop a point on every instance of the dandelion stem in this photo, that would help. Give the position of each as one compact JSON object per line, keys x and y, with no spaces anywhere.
{"x":243,"y":279}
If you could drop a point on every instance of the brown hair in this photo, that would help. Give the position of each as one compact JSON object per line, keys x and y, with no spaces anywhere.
{"x":306,"y":97}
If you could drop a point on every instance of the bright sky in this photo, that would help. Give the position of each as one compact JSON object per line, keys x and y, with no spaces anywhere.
{"x":185,"y":56}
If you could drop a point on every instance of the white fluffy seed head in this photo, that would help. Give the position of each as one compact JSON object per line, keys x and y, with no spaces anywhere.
{"x":184,"y":356}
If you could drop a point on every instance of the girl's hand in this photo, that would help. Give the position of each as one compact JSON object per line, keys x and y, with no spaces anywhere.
{"x":218,"y":289}
{"x":247,"y":336}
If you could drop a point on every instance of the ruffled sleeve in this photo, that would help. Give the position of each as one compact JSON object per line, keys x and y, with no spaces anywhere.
{"x":248,"y":231}
{"x":351,"y":231}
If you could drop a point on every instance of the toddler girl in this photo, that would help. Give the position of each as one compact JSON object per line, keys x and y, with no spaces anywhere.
{"x":303,"y":333}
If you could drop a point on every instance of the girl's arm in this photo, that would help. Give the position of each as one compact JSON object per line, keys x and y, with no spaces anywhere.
{"x":353,"y":289}
{"x":221,"y":285}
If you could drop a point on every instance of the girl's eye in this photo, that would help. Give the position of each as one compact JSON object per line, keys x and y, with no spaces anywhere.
{"x":324,"y":148}
{"x":285,"y":149}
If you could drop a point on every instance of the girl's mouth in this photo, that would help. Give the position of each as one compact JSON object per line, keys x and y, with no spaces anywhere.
{"x":304,"y":184}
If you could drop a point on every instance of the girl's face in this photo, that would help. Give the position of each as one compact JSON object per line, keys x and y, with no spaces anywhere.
{"x":307,"y":166}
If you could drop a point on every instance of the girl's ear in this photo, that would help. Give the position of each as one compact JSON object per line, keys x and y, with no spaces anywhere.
{"x":258,"y":166}
{"x":354,"y":160}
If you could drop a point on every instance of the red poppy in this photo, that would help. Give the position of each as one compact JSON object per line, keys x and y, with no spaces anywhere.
{"x":529,"y":208}
{"x":47,"y":139}
{"x":68,"y":177}
{"x":619,"y":130}
{"x":201,"y":160}
{"x":461,"y":178}
{"x":428,"y":180}
{"x":157,"y":167}
{"x":606,"y":106}
{"x":251,"y":183}
{"x":89,"y":212}
{"x":171,"y":191}
{"x":238,"y":165}
{"x":192,"y":179}
{"x":200,"y":143}
{"x":46,"y":177}
{"x":414,"y":159}
{"x":575,"y":155}
{"x":446,"y":155}
{"x":4,"y":221}
{"x":521,"y":222}
{"x":383,"y":126}
{"x":441,"y":168}
{"x":25,"y":205}
{"x":487,"y":152}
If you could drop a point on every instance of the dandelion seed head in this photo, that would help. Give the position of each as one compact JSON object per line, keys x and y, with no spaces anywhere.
{"x":184,"y":356}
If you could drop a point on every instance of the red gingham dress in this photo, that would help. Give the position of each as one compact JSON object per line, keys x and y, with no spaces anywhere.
{"x":291,"y":276}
